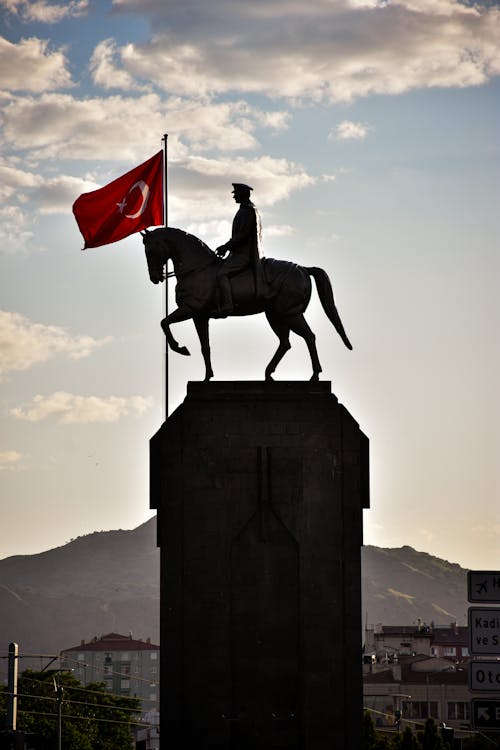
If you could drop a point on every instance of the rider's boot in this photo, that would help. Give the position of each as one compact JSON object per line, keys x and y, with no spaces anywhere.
{"x":226,"y":298}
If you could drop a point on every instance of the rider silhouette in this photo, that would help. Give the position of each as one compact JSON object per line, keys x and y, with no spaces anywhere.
{"x":243,"y":248}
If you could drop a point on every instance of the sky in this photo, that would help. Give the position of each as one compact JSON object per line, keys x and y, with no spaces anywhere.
{"x":369,"y":132}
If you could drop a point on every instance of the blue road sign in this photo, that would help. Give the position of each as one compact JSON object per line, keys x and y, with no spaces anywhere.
{"x":483,"y":586}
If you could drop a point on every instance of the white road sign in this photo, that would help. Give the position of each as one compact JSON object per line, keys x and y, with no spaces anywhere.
{"x":484,"y":631}
{"x":484,"y":676}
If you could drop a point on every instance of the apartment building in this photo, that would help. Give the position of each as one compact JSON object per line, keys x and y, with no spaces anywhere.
{"x":127,"y":666}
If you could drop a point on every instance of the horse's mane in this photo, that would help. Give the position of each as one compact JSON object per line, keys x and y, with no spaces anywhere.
{"x":184,"y":238}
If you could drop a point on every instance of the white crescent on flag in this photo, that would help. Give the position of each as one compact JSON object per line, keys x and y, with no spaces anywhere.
{"x":144,"y":188}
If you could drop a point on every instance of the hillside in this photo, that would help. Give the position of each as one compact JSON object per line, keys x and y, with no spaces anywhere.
{"x":401,"y":585}
{"x":109,"y":581}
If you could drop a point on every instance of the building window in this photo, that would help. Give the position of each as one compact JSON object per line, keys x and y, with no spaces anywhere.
{"x":108,"y":669}
{"x":153,"y":655}
{"x":125,"y":684}
{"x":152,"y":696}
{"x":420,"y":709}
{"x":465,"y":651}
{"x":125,"y":669}
{"x":80,"y":657}
{"x":153,"y":670}
{"x":449,"y":651}
{"x":458,"y":711}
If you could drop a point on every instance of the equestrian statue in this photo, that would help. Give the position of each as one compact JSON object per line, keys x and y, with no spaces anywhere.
{"x":209,"y":286}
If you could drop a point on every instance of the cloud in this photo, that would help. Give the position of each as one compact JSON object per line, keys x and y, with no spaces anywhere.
{"x":68,"y":408}
{"x":24,"y":344}
{"x":14,"y":223}
{"x":118,"y":127}
{"x":280,"y":230}
{"x":30,"y":66}
{"x":51,"y":194}
{"x":325,"y":51}
{"x":104,"y":70}
{"x":9,"y":460}
{"x":43,"y":12}
{"x":203,"y":187}
{"x":348,"y":131}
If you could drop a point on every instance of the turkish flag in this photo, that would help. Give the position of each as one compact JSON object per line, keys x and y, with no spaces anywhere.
{"x":127,"y":205}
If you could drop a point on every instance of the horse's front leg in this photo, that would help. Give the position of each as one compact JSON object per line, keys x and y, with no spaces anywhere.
{"x":177,"y":316}
{"x":202,"y":330}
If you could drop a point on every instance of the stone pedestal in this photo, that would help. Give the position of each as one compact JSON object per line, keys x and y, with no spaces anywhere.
{"x":259,"y":489}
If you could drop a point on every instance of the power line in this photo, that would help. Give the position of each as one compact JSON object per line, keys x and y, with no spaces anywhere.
{"x":152,"y":682}
{"x":90,"y":718}
{"x":85,"y":690}
{"x":69,"y":701}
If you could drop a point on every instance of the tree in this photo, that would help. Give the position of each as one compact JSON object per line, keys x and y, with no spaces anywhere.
{"x":92,"y":718}
{"x":369,"y":733}
{"x":430,"y":738}
{"x":405,"y":741}
{"x":372,"y":740}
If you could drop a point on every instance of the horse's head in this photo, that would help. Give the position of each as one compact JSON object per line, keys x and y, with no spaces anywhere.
{"x":156,"y":254}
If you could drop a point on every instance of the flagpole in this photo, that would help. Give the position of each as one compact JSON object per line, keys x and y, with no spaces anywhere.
{"x":165,"y":222}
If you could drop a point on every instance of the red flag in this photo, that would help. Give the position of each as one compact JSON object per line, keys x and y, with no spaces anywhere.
{"x":127,"y":205}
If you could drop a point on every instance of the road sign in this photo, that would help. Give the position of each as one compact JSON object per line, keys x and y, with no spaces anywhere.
{"x":485,"y":714}
{"x":484,"y":676}
{"x":483,"y":586}
{"x":484,"y":631}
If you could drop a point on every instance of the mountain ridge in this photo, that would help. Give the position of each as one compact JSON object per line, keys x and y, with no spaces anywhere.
{"x":109,"y":581}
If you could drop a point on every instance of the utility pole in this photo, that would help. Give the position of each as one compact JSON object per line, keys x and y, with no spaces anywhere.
{"x":12,"y":687}
{"x":59,"y":698}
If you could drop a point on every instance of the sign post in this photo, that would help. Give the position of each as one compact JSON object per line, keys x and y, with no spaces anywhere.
{"x":483,"y":587}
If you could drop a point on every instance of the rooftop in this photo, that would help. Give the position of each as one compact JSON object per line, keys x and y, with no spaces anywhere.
{"x":114,"y":642}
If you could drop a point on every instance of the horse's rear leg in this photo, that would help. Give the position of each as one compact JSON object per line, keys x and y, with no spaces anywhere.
{"x":202,"y":329}
{"x":177,"y":316}
{"x":299,"y":325}
{"x":282,"y":331}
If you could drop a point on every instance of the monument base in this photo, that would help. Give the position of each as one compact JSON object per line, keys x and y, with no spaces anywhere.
{"x":260,"y":489}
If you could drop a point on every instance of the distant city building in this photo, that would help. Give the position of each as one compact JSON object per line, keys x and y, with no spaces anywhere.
{"x":452,"y":642}
{"x":419,"y":687}
{"x":126,"y":666}
{"x":389,"y":642}
{"x":417,"y":671}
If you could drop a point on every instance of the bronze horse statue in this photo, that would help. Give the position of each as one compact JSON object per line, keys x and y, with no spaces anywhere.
{"x":286,"y":298}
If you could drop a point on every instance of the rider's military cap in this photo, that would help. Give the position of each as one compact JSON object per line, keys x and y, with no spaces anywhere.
{"x":240,"y":186}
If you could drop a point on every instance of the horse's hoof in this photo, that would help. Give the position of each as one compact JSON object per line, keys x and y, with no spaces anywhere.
{"x":208,"y":377}
{"x":269,"y":379}
{"x":183,"y":350}
{"x":314,"y":378}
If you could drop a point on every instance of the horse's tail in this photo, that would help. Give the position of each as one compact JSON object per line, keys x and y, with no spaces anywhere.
{"x":325,"y":293}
